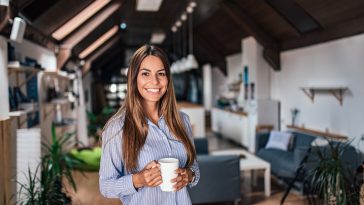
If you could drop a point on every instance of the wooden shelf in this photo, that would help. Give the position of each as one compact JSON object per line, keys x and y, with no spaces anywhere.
{"x":22,"y":70}
{"x":53,"y":105}
{"x":61,"y":101}
{"x":337,"y":92}
{"x":57,"y":75}
{"x":326,"y":134}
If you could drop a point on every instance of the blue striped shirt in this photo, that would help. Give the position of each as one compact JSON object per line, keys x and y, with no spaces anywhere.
{"x":116,"y":181}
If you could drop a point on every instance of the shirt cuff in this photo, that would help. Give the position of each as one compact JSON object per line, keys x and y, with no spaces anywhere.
{"x":129,"y":186}
{"x":197,"y":178}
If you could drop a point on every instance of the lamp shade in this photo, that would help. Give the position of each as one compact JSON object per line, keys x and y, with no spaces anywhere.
{"x":183,"y":64}
{"x":191,"y":62}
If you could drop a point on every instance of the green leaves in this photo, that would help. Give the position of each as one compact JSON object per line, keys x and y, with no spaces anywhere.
{"x":328,"y":176}
{"x":56,"y":164}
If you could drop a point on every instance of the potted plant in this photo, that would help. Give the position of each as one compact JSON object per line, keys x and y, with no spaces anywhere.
{"x":97,"y":122}
{"x":331,"y":178}
{"x":56,"y":164}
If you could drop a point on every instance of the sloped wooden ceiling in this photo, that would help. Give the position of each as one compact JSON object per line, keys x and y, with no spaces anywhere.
{"x":219,"y":26}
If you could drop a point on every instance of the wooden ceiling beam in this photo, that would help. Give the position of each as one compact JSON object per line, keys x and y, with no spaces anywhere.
{"x":82,"y":32}
{"x":99,"y":52}
{"x":271,"y":51}
{"x":345,"y":29}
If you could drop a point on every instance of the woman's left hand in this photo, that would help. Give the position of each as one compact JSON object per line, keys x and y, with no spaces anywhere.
{"x":184,"y":177}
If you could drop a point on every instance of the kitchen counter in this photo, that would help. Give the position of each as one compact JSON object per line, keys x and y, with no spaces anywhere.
{"x":196,"y":113}
{"x":234,"y":112}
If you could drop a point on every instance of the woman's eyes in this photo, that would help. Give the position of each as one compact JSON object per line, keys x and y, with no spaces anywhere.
{"x":160,"y":74}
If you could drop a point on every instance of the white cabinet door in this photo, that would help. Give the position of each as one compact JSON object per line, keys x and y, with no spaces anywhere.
{"x":215,"y":120}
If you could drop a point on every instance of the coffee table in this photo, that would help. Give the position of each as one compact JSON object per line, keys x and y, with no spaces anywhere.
{"x":250,"y":163}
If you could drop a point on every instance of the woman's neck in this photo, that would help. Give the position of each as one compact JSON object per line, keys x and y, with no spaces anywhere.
{"x":151,"y":109}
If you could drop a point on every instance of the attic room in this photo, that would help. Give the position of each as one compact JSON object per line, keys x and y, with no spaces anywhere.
{"x":249,"y":102}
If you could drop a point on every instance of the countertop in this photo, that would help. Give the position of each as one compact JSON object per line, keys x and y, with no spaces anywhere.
{"x":234,"y":112}
{"x":188,"y":105}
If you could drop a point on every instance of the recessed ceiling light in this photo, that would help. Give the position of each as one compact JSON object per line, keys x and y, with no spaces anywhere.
{"x":193,"y":4}
{"x":178,"y":23}
{"x":123,"y":25}
{"x":79,"y":19}
{"x":157,"y":37}
{"x":174,"y":28}
{"x":189,"y":9}
{"x":148,"y":5}
{"x":184,"y":17}
{"x":106,"y":36}
{"x":4,"y":2}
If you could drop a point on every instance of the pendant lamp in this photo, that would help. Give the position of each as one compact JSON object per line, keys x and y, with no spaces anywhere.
{"x":191,"y":62}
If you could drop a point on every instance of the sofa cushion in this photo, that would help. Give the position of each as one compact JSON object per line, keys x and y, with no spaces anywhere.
{"x":282,"y":162}
{"x":302,"y":139}
{"x":279,"y":140}
{"x":201,"y":146}
{"x":220,"y":179}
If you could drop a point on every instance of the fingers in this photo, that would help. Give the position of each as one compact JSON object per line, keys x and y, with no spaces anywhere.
{"x":181,"y":180}
{"x":152,"y":164}
{"x":151,"y":174}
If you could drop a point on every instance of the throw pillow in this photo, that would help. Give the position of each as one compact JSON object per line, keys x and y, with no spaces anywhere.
{"x":279,"y":140}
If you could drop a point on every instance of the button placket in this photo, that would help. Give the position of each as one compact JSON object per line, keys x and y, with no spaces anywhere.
{"x":165,"y":139}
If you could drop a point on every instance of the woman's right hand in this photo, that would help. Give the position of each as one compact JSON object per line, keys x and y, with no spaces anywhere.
{"x":150,"y":176}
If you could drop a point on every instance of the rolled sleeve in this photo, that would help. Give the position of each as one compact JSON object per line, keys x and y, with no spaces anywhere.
{"x":194,"y":166}
{"x":114,"y":183}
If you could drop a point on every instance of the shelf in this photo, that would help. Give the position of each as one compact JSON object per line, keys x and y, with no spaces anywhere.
{"x":53,"y":105}
{"x":337,"y":92}
{"x":65,"y":122}
{"x":22,"y":70}
{"x":326,"y":134}
{"x":57,"y":75}
{"x":60,"y":101}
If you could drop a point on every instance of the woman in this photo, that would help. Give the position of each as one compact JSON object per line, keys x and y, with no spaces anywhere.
{"x":147,"y":127}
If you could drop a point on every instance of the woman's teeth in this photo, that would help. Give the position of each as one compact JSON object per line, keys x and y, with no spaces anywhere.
{"x":153,"y":90}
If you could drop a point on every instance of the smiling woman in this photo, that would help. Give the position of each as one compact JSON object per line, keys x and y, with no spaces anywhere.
{"x":147,"y":128}
{"x":152,"y":79}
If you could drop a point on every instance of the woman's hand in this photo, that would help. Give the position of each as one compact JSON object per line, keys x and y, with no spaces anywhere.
{"x":184,"y":177}
{"x":149,"y":176}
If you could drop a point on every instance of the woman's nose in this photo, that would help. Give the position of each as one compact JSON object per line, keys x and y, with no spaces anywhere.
{"x":155,"y":79}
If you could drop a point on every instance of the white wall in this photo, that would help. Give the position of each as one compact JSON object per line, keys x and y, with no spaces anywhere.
{"x":234,"y":67}
{"x":336,"y":63}
{"x":45,"y":57}
{"x":258,"y":69}
{"x":4,"y":92}
{"x":207,"y":86}
{"x":219,"y":84}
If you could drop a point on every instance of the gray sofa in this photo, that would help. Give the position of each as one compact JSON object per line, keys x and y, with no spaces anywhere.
{"x":284,"y":164}
{"x":220,"y":177}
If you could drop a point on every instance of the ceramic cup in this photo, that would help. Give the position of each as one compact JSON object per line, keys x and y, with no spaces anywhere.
{"x":168,"y":167}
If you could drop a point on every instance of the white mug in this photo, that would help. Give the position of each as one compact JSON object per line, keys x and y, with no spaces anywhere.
{"x":168,"y":167}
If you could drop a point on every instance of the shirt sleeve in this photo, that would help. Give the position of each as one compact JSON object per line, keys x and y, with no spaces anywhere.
{"x":194,"y":166}
{"x":114,"y":183}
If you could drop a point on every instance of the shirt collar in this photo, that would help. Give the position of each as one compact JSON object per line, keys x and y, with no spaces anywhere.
{"x":161,"y":119}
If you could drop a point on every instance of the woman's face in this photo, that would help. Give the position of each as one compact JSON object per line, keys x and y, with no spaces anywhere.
{"x":152,"y":79}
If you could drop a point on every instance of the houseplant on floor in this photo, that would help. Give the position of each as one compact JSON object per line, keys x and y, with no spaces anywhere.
{"x":331,"y":178}
{"x":56,"y":164}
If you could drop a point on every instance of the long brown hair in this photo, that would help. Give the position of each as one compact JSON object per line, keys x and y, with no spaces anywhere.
{"x":135,"y":128}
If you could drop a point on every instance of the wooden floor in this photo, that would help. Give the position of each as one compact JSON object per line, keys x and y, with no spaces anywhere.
{"x":88,"y":187}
